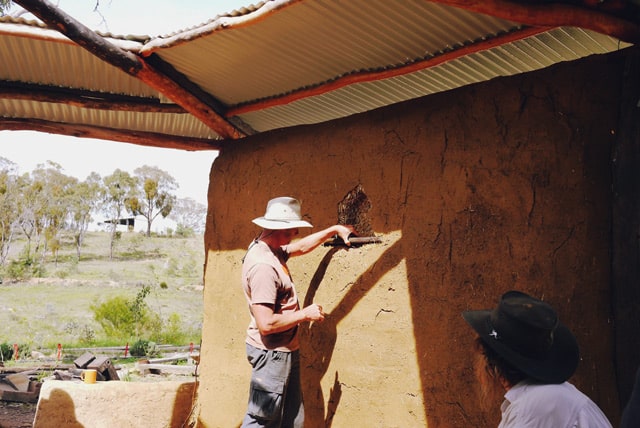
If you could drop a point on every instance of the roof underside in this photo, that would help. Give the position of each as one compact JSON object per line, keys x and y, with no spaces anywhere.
{"x":275,"y":65}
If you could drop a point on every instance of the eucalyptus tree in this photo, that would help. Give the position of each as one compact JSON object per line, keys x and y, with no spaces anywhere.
{"x":9,"y":214}
{"x":83,"y":202}
{"x":55,"y":193}
{"x":155,"y":196}
{"x":28,"y":205}
{"x":32,"y":207}
{"x":189,"y":214}
{"x":118,"y":189}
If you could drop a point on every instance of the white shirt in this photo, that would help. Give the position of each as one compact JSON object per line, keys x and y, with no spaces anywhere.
{"x":562,"y":405}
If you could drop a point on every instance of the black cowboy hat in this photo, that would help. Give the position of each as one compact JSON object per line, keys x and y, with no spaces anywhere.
{"x":526,"y":333}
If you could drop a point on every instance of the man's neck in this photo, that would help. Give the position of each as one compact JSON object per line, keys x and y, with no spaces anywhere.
{"x":270,"y":237}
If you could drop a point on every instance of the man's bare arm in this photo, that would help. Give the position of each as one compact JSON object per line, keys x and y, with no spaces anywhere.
{"x":269,"y":323}
{"x":311,"y":242}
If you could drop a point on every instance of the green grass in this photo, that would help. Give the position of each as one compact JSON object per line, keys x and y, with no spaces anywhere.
{"x":42,"y":312}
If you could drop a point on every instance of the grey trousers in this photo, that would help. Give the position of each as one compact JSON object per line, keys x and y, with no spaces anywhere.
{"x":275,"y":394}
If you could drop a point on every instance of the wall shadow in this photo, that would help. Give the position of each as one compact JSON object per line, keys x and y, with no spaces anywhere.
{"x":319,"y":339}
{"x":183,"y":405}
{"x":56,"y":411}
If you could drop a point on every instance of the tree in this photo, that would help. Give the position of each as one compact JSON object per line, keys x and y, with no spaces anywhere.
{"x":118,"y":189}
{"x":43,"y":206}
{"x":7,"y":8}
{"x":55,"y":196}
{"x":189,"y":215}
{"x":156,"y":197}
{"x":9,"y":214}
{"x":4,"y":6}
{"x":83,"y":201}
{"x":28,"y":206}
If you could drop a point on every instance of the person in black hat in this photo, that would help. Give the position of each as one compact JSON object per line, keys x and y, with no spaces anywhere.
{"x":272,"y":345}
{"x":524,"y":350}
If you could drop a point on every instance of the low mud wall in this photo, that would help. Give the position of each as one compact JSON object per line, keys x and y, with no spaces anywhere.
{"x":114,"y":404}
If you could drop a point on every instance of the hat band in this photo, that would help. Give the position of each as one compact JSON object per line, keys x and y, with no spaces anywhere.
{"x":282,"y":220}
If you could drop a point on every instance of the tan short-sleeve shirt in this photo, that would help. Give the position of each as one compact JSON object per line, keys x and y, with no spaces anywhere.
{"x":266,"y":280}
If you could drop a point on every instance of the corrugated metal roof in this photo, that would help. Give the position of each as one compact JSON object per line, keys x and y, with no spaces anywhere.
{"x":32,"y":54}
{"x":309,"y":43}
{"x":562,"y":44}
{"x":183,"y":125}
{"x":284,"y":63}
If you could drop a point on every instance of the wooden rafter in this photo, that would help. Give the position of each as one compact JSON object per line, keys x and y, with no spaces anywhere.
{"x":607,"y":18}
{"x":85,"y":99}
{"x":141,"y":138}
{"x":131,"y":64}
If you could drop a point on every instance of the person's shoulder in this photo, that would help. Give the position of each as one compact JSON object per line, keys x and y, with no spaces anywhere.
{"x":535,"y":404}
{"x":551,"y":393}
{"x":564,"y":388}
{"x":257,"y":249}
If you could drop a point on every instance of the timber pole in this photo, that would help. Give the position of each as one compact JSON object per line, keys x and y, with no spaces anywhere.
{"x":141,"y":138}
{"x":613,"y":22}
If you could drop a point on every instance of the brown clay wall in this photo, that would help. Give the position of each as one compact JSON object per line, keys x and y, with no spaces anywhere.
{"x":502,"y":185}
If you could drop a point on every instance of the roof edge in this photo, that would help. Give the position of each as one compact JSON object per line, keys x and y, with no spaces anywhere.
{"x":224,"y":22}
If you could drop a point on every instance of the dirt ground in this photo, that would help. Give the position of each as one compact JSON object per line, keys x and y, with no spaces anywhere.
{"x":17,"y":415}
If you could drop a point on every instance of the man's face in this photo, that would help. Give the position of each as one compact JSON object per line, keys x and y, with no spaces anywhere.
{"x":287,"y":235}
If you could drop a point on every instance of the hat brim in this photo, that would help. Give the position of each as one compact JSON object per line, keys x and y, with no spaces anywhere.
{"x":559,"y":365}
{"x":280,"y":224}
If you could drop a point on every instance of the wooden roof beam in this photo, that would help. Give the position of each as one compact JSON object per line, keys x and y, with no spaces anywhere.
{"x":130,"y":64}
{"x":140,"y":138}
{"x":84,"y":98}
{"x":603,"y":19}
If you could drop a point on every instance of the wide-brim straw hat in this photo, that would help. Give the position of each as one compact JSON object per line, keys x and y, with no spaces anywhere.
{"x":282,"y":213}
{"x":526,"y":333}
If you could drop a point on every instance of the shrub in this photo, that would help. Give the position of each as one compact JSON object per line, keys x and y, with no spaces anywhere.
{"x":183,"y":231}
{"x":61,"y":273}
{"x":172,"y":332}
{"x":189,"y":268}
{"x":84,"y":333}
{"x":140,"y":348}
{"x":115,"y":317}
{"x":135,"y":244}
{"x":24,"y":351}
{"x":25,"y":268}
{"x":124,"y":319}
{"x":6,"y":352}
{"x":143,"y":348}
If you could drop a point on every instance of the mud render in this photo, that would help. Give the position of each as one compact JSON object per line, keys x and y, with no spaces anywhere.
{"x":501,"y":185}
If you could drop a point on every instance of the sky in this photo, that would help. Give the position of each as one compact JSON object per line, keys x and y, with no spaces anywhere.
{"x":78,"y":157}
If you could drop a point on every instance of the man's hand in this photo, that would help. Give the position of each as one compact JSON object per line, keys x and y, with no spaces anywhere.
{"x":270,"y":323}
{"x":344,"y":232}
{"x":313,"y":313}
